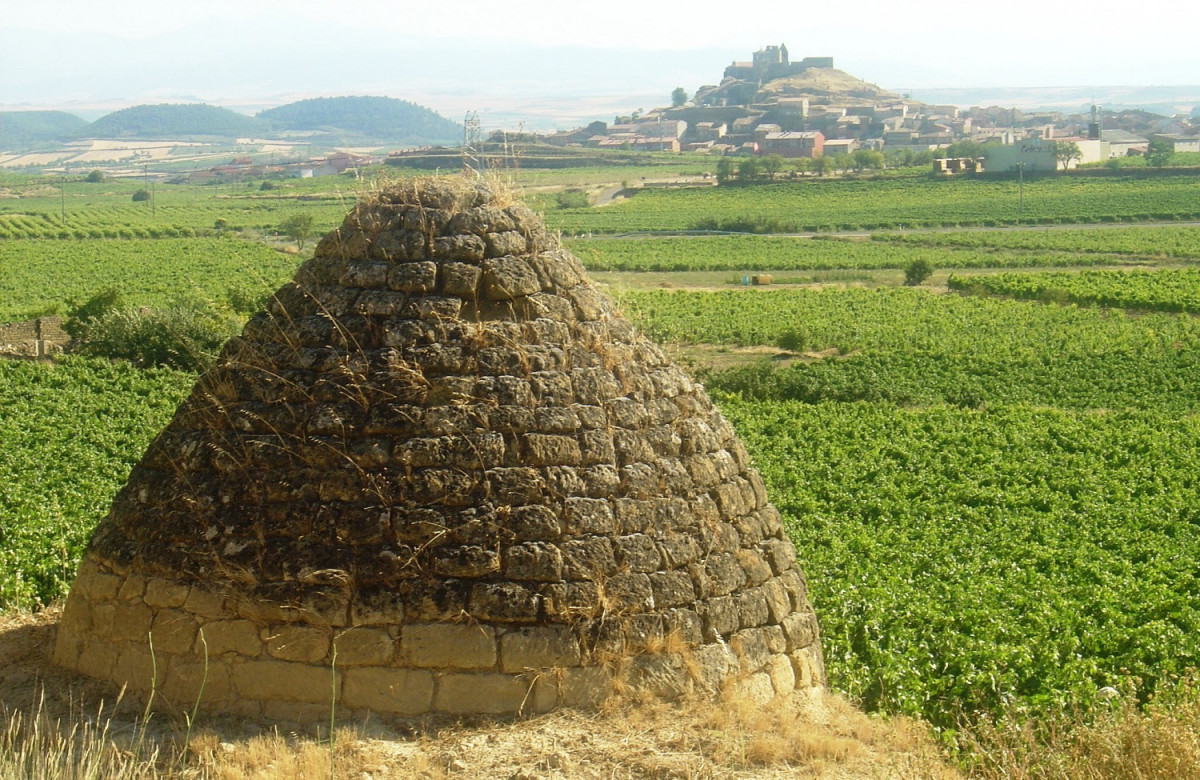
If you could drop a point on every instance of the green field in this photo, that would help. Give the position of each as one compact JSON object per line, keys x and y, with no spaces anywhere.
{"x":788,"y":253}
{"x":913,"y":201}
{"x":1160,"y":243}
{"x":69,"y":434}
{"x":1162,"y":290}
{"x":964,"y":560}
{"x":45,"y":276}
{"x":994,"y":495}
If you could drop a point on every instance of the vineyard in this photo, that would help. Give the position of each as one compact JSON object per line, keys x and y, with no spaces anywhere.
{"x":904,"y":321}
{"x":817,"y":205}
{"x":994,"y":494}
{"x":785,"y":253}
{"x":969,"y":560}
{"x":994,"y":500}
{"x":80,"y":210}
{"x":136,"y":220}
{"x":69,"y":434}
{"x":46,"y":276}
{"x":1159,"y":243}
{"x":1161,"y":290}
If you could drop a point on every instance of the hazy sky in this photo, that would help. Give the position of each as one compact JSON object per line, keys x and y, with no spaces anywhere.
{"x":85,"y":51}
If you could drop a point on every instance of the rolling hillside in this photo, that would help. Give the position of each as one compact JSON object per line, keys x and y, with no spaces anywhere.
{"x":21,"y":130}
{"x":173,"y":121}
{"x":376,"y":118}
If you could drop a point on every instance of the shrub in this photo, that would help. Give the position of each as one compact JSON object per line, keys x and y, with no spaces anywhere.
{"x":180,"y":337}
{"x":141,"y":195}
{"x":792,"y":339}
{"x":917,"y":271}
{"x":572,"y":199}
{"x":244,"y":301}
{"x":80,"y":316}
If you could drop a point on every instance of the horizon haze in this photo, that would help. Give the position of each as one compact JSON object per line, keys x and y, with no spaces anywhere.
{"x":542,"y":66}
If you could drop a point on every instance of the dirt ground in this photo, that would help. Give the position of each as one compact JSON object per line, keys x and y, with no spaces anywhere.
{"x":806,"y":737}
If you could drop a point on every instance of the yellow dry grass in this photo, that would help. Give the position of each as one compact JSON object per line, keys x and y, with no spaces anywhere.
{"x":57,"y":725}
{"x":1118,"y":741}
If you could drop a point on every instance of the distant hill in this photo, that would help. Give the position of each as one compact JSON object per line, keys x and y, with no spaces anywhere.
{"x":377,"y":118}
{"x":173,"y":121}
{"x":21,"y":130}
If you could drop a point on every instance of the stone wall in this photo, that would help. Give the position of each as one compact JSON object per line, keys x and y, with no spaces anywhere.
{"x":37,"y":338}
{"x":440,"y":473}
{"x":237,"y":655}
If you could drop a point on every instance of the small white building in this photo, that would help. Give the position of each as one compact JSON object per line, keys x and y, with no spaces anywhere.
{"x":1122,"y":144}
{"x":840,"y":146}
{"x":1180,"y":143}
{"x":1029,"y":156}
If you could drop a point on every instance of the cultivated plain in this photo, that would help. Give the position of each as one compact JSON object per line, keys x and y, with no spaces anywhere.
{"x":990,"y":477}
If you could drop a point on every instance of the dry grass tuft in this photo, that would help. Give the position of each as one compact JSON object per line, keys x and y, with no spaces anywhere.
{"x":55,"y":725}
{"x":1160,"y":741}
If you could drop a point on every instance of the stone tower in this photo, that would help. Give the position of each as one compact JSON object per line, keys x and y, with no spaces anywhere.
{"x":440,"y":474}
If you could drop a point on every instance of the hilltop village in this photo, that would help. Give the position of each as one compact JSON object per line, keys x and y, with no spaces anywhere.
{"x":773,"y":105}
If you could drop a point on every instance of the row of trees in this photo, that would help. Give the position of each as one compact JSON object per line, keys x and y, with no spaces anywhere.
{"x":748,"y":169}
{"x":1158,"y":153}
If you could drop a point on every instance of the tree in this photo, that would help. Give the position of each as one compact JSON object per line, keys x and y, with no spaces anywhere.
{"x":802,"y":164}
{"x":868,"y":159}
{"x":747,"y":169}
{"x":95,"y":176}
{"x":1159,"y":152}
{"x":917,"y":271}
{"x":822,"y":165}
{"x":679,"y":96}
{"x":843,"y":162}
{"x":141,"y":195}
{"x":299,"y":228}
{"x":772,"y":164}
{"x":724,"y":170}
{"x":1065,"y":152}
{"x":964,"y":148}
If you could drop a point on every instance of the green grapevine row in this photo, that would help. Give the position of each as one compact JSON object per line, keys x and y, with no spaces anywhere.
{"x":1155,"y":241}
{"x":1162,"y":290}
{"x":891,"y":203}
{"x":784,"y":253}
{"x":69,"y":433}
{"x":40,"y":276}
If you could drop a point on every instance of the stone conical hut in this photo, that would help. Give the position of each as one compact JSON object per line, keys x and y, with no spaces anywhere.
{"x":440,"y":474}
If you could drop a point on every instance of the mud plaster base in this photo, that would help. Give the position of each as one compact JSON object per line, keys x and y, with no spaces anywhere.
{"x":189,"y":645}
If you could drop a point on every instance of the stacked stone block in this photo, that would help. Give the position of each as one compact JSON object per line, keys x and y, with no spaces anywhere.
{"x":440,"y":474}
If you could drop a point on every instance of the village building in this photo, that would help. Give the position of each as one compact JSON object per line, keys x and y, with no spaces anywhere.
{"x":793,"y":144}
{"x":1026,"y":157}
{"x":1124,"y":144}
{"x":834,"y":146}
{"x":1179,"y":142}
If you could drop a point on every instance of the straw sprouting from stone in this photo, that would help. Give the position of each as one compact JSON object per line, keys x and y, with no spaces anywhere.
{"x":441,"y":474}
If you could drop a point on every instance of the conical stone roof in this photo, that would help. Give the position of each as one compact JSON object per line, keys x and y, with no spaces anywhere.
{"x":440,"y":474}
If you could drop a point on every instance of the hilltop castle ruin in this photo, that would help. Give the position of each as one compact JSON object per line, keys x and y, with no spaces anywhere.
{"x":771,"y":62}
